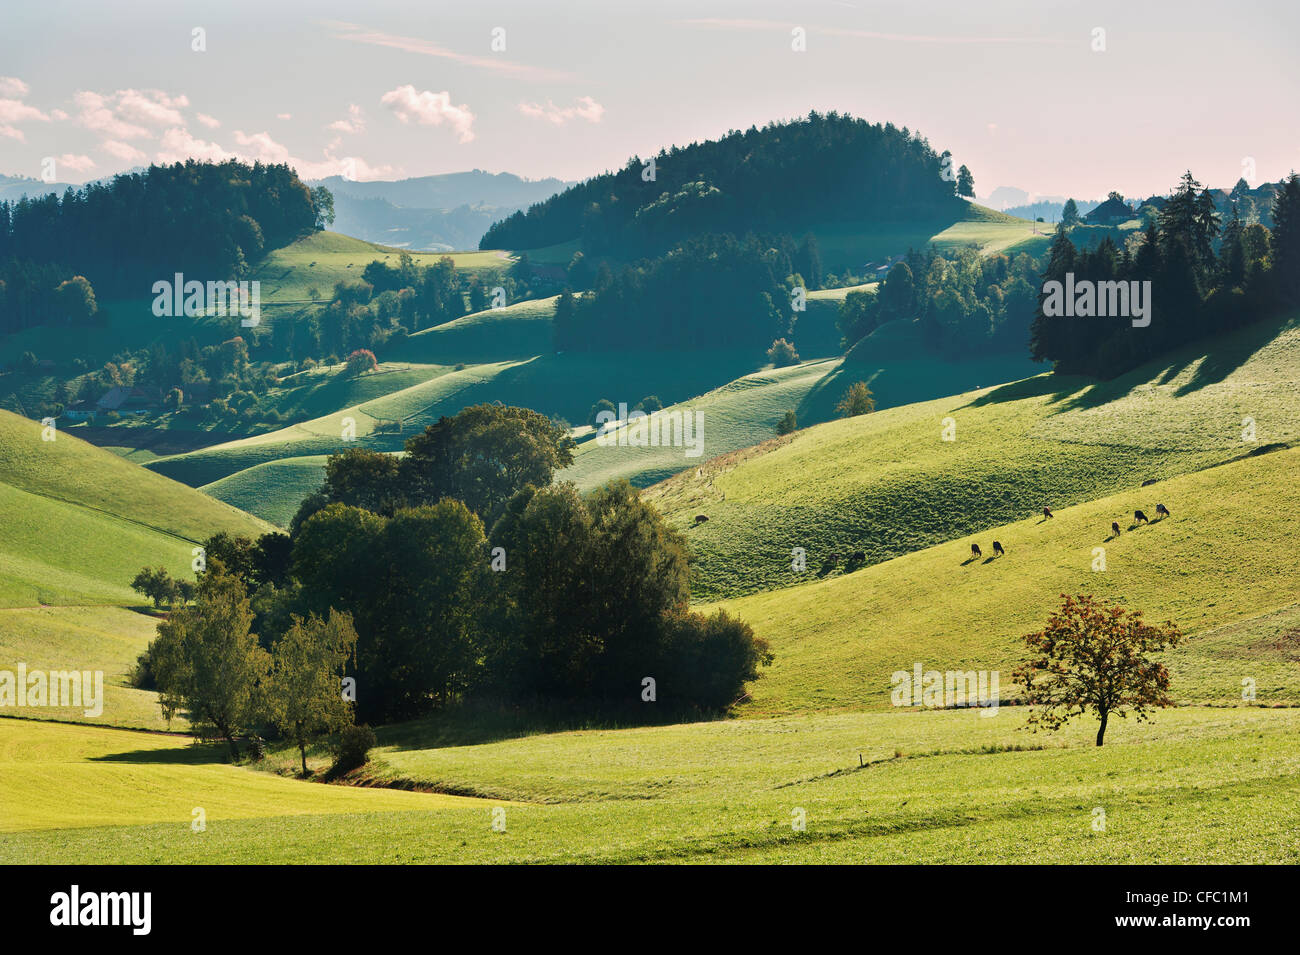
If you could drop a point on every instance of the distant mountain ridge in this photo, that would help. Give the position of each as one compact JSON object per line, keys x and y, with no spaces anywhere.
{"x":442,"y":212}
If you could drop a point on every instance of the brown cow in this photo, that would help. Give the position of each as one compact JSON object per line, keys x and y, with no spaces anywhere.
{"x":1114,"y":528}
{"x":1162,"y":511}
{"x":975,"y":550}
{"x":1140,"y":518}
{"x":997,"y":549}
{"x":701,"y":518}
{"x":1047,"y":512}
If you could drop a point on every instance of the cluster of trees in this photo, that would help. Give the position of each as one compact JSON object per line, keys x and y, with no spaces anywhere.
{"x":712,"y":291}
{"x":210,"y":220}
{"x":564,"y":599}
{"x":1206,"y":277}
{"x":827,"y":167}
{"x":209,"y":663}
{"x":38,"y":293}
{"x":966,"y":302}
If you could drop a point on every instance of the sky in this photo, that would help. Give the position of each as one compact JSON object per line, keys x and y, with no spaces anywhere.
{"x":1053,"y":97}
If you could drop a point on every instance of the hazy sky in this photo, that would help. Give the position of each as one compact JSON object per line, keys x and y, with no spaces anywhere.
{"x":1014,"y":88}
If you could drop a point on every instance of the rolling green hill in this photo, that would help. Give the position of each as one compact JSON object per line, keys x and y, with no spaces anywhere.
{"x":80,"y":521}
{"x":888,"y":483}
{"x":837,"y":641}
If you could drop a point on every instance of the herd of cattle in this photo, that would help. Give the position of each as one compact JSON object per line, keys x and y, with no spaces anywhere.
{"x":1139,"y":517}
{"x":859,"y":556}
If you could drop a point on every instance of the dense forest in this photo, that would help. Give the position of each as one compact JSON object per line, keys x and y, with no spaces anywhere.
{"x":1207,"y":276}
{"x":210,"y":220}
{"x":712,"y":291}
{"x":827,"y":167}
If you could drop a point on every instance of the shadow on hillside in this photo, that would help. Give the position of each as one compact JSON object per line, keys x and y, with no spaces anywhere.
{"x":1244,"y":343}
{"x":475,"y":725}
{"x":1075,"y":392}
{"x":188,"y":755}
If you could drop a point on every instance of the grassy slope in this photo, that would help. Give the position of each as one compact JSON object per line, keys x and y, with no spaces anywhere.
{"x":324,"y":258}
{"x":273,"y":490}
{"x":837,"y":641}
{"x":939,"y":787}
{"x":887,"y":484}
{"x":107,"y":639}
{"x":80,"y":521}
{"x":851,"y":246}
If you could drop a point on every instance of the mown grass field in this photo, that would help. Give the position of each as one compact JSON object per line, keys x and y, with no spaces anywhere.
{"x":1196,"y":785}
{"x":62,"y":778}
{"x":888,"y":483}
{"x":107,"y":639}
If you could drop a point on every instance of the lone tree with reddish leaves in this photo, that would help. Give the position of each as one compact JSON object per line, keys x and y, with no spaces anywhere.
{"x":1095,"y":656}
{"x":361,"y":361}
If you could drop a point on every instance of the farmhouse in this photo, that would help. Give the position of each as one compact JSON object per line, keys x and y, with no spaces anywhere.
{"x":128,"y":400}
{"x":1111,"y":212}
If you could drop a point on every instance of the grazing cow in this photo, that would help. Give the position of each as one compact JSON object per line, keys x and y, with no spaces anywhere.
{"x":701,"y":518}
{"x":859,"y":555}
{"x":975,"y":550}
{"x":1149,"y":482}
{"x":1162,"y":511}
{"x":997,"y":549}
{"x":1114,"y":528}
{"x":1047,"y":512}
{"x":1140,"y":518}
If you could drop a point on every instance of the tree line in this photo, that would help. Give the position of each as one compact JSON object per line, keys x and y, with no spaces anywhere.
{"x":207,"y":220}
{"x":1207,"y":276}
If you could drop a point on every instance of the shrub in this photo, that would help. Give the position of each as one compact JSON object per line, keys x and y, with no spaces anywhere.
{"x":788,"y":423}
{"x":353,"y":748}
{"x":857,"y":400}
{"x":782,"y":353}
{"x":708,"y":660}
{"x":361,"y":361}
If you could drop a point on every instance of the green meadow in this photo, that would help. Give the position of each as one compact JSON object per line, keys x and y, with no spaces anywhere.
{"x":889,"y":483}
{"x":933,"y":787}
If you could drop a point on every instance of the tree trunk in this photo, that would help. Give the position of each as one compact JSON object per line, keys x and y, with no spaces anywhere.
{"x":1101,"y":730}
{"x":302,"y":748}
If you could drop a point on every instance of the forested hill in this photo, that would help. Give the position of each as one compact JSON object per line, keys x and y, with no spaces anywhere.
{"x":208,"y":219}
{"x":785,"y":176}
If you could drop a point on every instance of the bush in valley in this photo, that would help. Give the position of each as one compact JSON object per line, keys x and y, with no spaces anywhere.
{"x":782,"y":353}
{"x":359,"y":362}
{"x":352,"y":751}
{"x":788,"y":424}
{"x":857,"y":400}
